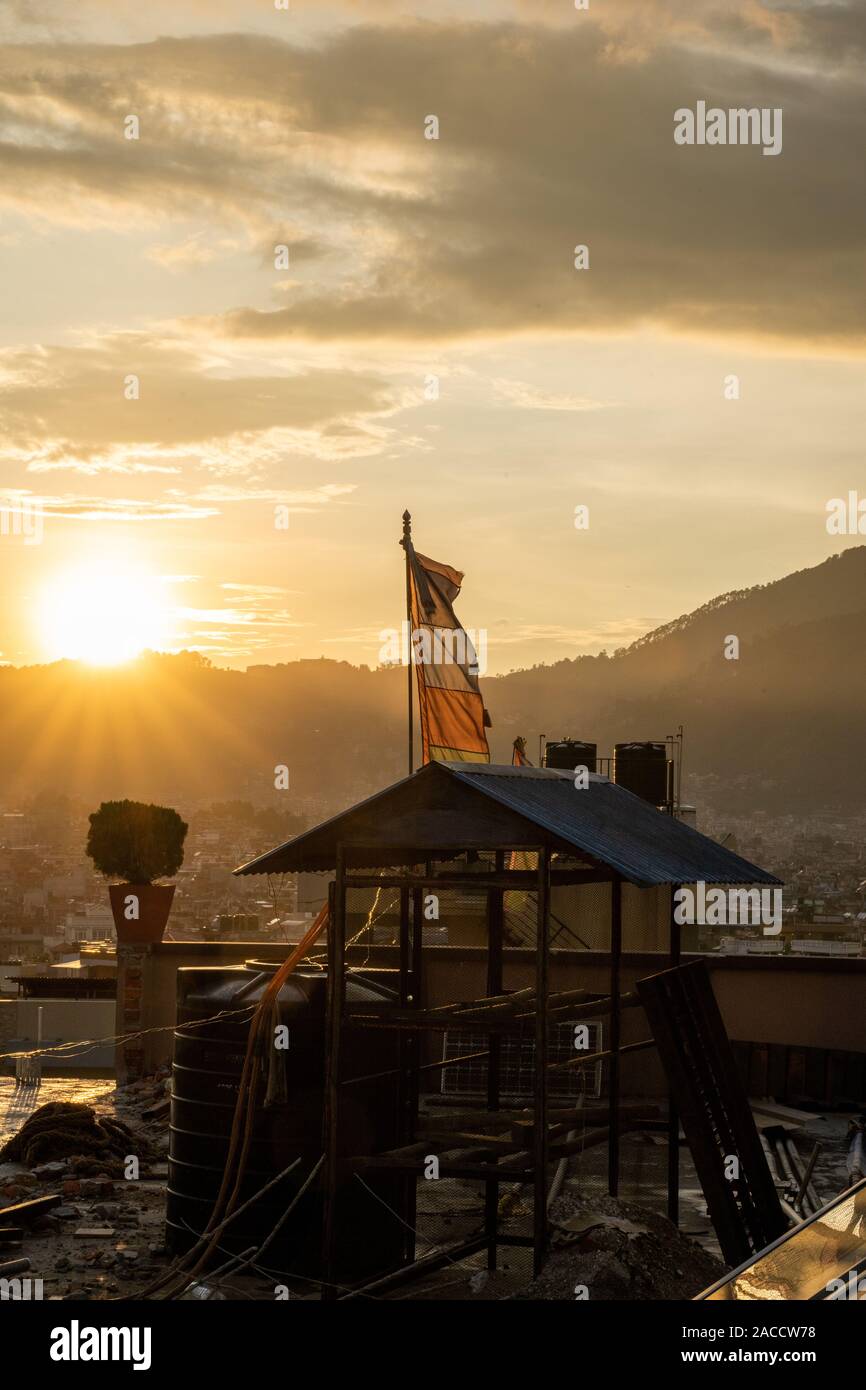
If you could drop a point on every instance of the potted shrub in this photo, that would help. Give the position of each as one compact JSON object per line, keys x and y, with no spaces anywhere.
{"x":134,"y":844}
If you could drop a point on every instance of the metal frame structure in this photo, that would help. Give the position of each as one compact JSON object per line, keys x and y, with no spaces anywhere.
{"x":430,"y":820}
{"x":489,"y":1161}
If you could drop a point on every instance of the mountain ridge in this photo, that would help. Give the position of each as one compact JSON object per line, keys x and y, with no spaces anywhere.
{"x":781,"y":726}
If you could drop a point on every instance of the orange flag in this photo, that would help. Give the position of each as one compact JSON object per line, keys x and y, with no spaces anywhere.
{"x":518,"y":753}
{"x":453,"y":717}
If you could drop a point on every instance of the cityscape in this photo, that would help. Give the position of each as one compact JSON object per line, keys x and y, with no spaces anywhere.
{"x":54,"y":911}
{"x":432,"y":671}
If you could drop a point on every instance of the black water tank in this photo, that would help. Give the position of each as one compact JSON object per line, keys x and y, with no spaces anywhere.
{"x":571,"y":753}
{"x":642,"y":768}
{"x":206,"y":1073}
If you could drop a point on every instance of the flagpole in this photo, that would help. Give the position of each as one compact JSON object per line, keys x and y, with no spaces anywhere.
{"x":406,"y":543}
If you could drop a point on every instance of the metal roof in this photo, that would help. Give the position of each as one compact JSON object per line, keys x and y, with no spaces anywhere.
{"x":454,"y":805}
{"x":614,"y":826}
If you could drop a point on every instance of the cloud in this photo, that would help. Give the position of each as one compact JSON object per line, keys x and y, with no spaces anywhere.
{"x":296,"y":499}
{"x":192,"y":252}
{"x":196,"y":505}
{"x":558,"y":148}
{"x":80,"y":507}
{"x":635,"y":28}
{"x":567,"y":140}
{"x":234,"y":617}
{"x":257,"y":593}
{"x":69,"y":408}
{"x":253,"y":618}
{"x":633,"y":18}
{"x":525,"y":396}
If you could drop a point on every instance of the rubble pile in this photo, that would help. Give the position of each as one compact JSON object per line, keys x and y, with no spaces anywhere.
{"x":603,"y":1248}
{"x":77,"y":1213}
{"x":63,"y":1130}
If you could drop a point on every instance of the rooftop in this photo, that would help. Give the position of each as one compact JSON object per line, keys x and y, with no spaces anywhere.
{"x":445,"y":808}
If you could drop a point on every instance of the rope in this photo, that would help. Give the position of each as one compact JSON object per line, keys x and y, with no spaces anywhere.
{"x":247,"y":1090}
{"x":90,"y":1043}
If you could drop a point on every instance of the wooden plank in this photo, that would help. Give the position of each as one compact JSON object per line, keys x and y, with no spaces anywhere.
{"x":615,"y":1031}
{"x":714,"y":1109}
{"x":540,"y":1140}
{"x":333,"y":1037}
{"x":760,"y":1188}
{"x":426,"y":1265}
{"x":601,"y":1056}
{"x":675,"y":946}
{"x":591,"y":1115}
{"x":563,"y":1148}
{"x":407,"y":1043}
{"x":511,"y":880}
{"x":366,"y":1016}
{"x":669,"y":1020}
{"x":495,"y":932}
{"x":411,"y":1022}
{"x":428,"y":1066}
{"x":416,"y":988}
{"x":29,"y":1210}
{"x":378,"y":1163}
{"x":158,"y":1110}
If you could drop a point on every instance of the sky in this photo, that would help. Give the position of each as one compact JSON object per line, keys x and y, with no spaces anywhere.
{"x":208,"y":441}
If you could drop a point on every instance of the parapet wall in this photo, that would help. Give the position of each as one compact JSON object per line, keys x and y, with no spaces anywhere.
{"x":808,"y":1002}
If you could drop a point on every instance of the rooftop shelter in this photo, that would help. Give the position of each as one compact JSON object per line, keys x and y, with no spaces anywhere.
{"x":500,"y":836}
{"x":444,"y":809}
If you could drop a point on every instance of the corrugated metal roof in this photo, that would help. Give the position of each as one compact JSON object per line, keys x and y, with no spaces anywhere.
{"x":603,"y":821}
{"x":612,"y":825}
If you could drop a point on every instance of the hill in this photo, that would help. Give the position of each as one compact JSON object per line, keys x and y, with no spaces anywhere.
{"x":782,"y":727}
{"x":784,"y":724}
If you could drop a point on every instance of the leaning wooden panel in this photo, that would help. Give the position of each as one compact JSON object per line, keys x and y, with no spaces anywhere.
{"x":714,"y":1109}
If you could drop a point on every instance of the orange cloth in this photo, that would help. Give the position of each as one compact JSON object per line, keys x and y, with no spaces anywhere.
{"x":453,"y":717}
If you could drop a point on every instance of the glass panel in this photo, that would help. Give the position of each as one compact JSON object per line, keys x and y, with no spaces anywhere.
{"x":806,"y":1263}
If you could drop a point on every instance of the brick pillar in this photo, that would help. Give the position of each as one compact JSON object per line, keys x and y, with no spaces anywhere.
{"x":133,"y":971}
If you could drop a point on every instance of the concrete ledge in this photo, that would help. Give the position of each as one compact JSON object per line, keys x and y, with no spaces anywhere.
{"x":239,"y":951}
{"x":796,"y":1001}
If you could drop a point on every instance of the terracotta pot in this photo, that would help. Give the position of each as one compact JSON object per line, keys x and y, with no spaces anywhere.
{"x":152,"y":903}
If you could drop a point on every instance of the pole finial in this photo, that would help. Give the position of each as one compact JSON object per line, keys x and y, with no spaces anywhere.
{"x":407,"y":528}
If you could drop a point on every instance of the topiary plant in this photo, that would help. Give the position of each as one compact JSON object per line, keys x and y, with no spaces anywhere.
{"x":134,"y":842}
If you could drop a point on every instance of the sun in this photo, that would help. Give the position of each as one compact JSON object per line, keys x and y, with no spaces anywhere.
{"x":103,"y":613}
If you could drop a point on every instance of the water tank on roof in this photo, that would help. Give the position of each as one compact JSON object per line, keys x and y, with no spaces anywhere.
{"x":571,"y":753}
{"x":208,"y":1061}
{"x":642,"y":768}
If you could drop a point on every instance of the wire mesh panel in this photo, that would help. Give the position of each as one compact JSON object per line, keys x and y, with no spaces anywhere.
{"x":580,"y":917}
{"x":580,"y":914}
{"x":646,"y":914}
{"x":643,"y":1152}
{"x":517,"y":1075}
{"x":451,"y":1210}
{"x":372,"y":916}
{"x":584,"y":1172}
